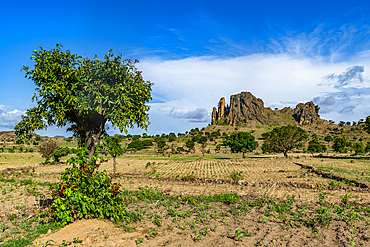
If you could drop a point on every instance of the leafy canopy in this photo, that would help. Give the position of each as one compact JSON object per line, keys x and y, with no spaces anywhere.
{"x":284,"y":138}
{"x":242,"y":142}
{"x":85,"y":93}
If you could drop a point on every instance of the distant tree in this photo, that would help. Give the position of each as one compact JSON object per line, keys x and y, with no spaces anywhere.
{"x":242,"y":142}
{"x":348,"y":123}
{"x":367,"y":124}
{"x":367,"y":148}
{"x":328,"y":138}
{"x":218,"y":148}
{"x":135,"y":145}
{"x":180,"y":149}
{"x":171,"y":138}
{"x":340,"y":144}
{"x":315,"y":146}
{"x":359,"y":147}
{"x":147,"y":143}
{"x":331,"y":121}
{"x":114,"y":148}
{"x":161,"y":144}
{"x":136,"y":137}
{"x":354,"y":123}
{"x":47,"y":150}
{"x":60,"y":152}
{"x":285,"y":138}
{"x":190,"y":144}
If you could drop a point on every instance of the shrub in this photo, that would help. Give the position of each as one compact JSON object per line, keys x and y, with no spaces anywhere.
{"x":315,"y":146}
{"x":359,"y":147}
{"x":83,"y":192}
{"x":135,"y":145}
{"x":340,"y":144}
{"x":60,"y":152}
{"x":47,"y":149}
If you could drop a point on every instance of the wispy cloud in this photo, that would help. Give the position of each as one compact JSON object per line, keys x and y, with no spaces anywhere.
{"x":352,"y":75}
{"x":348,"y":110}
{"x":197,"y":115}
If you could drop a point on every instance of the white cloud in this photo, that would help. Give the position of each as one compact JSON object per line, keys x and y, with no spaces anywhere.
{"x":279,"y":80}
{"x":9,"y":118}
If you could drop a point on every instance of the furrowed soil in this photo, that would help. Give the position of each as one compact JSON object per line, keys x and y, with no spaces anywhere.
{"x":198,"y":201}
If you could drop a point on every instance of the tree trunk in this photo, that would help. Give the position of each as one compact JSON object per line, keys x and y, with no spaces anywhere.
{"x":114,"y":165}
{"x":94,"y":129}
{"x":286,"y":154}
{"x":243,"y":155}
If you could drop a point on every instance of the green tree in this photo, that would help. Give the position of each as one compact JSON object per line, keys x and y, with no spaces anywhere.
{"x":60,"y":152}
{"x":285,"y":138}
{"x":86,"y":93}
{"x":367,"y":124}
{"x":242,"y":142}
{"x":328,"y":138}
{"x":359,"y":147}
{"x":315,"y":146}
{"x":114,"y":148}
{"x":161,"y":144}
{"x":190,"y":144}
{"x":340,"y":144}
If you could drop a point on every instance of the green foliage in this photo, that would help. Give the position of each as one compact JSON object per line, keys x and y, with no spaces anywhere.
{"x":83,"y":192}
{"x":190,"y":144}
{"x":367,"y":124}
{"x":135,"y":145}
{"x":340,"y":144}
{"x":60,"y":152}
{"x":315,"y":146}
{"x":47,"y":149}
{"x":328,"y":138}
{"x":359,"y":147}
{"x":242,"y":142}
{"x":113,"y":145}
{"x":161,"y":144}
{"x":236,"y":176}
{"x":85,"y":93}
{"x":285,"y":138}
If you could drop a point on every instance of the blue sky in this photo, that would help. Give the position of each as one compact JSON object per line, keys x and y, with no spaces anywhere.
{"x":196,"y":52}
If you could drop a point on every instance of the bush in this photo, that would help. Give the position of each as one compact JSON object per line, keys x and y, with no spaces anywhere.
{"x":47,"y":149}
{"x":359,"y":148}
{"x":328,"y":138}
{"x":60,"y":152}
{"x":135,"y":145}
{"x":340,"y":144}
{"x":315,"y":146}
{"x":83,"y":192}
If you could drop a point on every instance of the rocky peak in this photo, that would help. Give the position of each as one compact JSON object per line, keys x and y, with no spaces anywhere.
{"x":245,"y":109}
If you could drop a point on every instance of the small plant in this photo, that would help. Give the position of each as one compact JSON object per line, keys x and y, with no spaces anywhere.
{"x":236,"y":176}
{"x":139,"y":240}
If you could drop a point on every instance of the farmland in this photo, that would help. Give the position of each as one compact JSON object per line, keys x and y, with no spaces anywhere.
{"x":197,"y":199}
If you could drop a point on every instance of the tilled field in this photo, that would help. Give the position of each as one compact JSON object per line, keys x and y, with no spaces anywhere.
{"x":196,"y":203}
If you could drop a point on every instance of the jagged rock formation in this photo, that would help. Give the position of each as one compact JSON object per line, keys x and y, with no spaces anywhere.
{"x":247,"y":110}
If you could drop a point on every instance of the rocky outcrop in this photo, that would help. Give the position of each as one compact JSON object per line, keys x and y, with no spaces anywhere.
{"x":305,"y":113}
{"x":247,"y":110}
